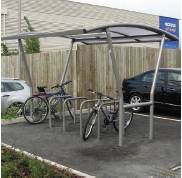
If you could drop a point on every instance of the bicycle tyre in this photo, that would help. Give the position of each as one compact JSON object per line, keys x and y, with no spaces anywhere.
{"x":128,"y":117}
{"x":89,"y":125}
{"x":40,"y":110}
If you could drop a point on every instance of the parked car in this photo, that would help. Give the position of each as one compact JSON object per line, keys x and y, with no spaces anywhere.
{"x":14,"y":92}
{"x":167,"y":91}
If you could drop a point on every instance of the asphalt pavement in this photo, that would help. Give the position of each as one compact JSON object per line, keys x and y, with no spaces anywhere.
{"x":138,"y":157}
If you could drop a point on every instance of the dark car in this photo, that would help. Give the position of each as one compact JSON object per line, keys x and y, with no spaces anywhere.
{"x":167,"y":91}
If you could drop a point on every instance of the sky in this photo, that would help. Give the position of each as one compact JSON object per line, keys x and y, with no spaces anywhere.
{"x":168,"y":8}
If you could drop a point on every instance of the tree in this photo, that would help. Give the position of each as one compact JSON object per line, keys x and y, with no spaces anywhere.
{"x":32,"y":45}
{"x":4,"y":50}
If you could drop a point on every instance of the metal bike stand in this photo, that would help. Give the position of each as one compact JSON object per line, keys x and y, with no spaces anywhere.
{"x":137,"y":105}
{"x":81,"y":108}
{"x":98,"y":116}
{"x":107,"y":34}
{"x":64,"y":103}
{"x":49,"y":114}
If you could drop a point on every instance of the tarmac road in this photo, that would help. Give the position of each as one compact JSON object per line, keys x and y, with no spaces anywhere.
{"x":139,"y":157}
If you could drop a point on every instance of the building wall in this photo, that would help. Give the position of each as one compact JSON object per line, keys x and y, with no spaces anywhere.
{"x":61,"y":15}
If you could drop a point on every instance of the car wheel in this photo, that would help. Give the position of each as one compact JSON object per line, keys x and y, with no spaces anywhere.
{"x":136,"y":98}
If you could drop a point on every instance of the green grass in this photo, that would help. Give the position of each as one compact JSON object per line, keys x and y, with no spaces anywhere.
{"x":11,"y":113}
{"x":14,"y":165}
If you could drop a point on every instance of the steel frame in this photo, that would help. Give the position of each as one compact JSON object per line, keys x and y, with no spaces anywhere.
{"x":49,"y":114}
{"x":118,"y":83}
{"x":70,"y":34}
{"x":64,"y":103}
{"x":23,"y":57}
{"x":151,"y":124}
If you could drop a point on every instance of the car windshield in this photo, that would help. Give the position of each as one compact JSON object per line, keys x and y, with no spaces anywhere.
{"x":11,"y":86}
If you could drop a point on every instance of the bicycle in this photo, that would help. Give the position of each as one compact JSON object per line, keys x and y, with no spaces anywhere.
{"x":36,"y":108}
{"x":110,"y":116}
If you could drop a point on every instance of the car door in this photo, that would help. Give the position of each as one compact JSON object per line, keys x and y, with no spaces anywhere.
{"x":4,"y":98}
{"x":173,"y":92}
{"x":146,"y":82}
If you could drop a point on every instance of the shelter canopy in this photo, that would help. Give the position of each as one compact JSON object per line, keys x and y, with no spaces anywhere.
{"x":120,"y":33}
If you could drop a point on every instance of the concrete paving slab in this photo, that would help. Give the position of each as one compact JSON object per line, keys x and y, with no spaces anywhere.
{"x":139,"y":157}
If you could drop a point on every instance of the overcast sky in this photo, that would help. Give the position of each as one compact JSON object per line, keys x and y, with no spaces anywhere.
{"x":169,"y":8}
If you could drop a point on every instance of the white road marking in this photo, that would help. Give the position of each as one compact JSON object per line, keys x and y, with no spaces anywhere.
{"x":158,"y":117}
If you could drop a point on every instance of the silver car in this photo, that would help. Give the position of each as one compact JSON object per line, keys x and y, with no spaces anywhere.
{"x":13,"y":92}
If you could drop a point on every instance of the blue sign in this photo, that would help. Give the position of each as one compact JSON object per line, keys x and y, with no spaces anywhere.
{"x":170,"y":25}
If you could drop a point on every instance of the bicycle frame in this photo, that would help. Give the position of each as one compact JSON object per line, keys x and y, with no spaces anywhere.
{"x":47,"y":97}
{"x":107,"y":115}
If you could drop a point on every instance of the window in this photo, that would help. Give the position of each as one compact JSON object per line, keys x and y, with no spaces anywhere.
{"x":148,"y":77}
{"x":11,"y":86}
{"x":174,"y":78}
{"x":2,"y":87}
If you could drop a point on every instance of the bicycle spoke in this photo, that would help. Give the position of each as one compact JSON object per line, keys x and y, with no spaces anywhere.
{"x":35,"y":110}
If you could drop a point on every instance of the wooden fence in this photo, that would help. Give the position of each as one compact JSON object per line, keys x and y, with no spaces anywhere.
{"x":90,"y":66}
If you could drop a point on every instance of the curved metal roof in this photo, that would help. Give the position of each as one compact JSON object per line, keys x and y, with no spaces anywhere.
{"x":120,"y":33}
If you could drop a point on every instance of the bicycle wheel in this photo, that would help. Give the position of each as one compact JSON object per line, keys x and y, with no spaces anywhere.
{"x":89,"y":125}
{"x":35,"y":110}
{"x":128,"y":116}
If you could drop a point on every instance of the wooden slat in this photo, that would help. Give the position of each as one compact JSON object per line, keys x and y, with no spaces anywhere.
{"x":90,"y":66}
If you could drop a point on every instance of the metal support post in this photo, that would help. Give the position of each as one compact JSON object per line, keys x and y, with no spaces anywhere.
{"x":98,"y":123}
{"x":67,"y":62}
{"x":153,"y":89}
{"x":23,"y":56}
{"x":19,"y":31}
{"x":119,"y":87}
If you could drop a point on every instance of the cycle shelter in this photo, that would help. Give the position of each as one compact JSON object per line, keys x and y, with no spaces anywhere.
{"x":108,"y":34}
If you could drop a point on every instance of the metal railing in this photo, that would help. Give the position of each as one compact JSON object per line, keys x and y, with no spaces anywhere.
{"x":81,"y":110}
{"x":49,"y":114}
{"x":64,"y":103}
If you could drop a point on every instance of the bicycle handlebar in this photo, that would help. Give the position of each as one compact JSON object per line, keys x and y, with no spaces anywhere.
{"x":56,"y":86}
{"x":65,"y":83}
{"x":100,"y":94}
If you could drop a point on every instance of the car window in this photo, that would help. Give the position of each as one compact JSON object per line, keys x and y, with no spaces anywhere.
{"x":174,"y":78}
{"x":148,"y":77}
{"x":12,"y":86}
{"x":2,"y":87}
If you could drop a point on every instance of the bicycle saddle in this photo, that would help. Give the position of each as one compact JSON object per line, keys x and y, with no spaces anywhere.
{"x":41,"y":89}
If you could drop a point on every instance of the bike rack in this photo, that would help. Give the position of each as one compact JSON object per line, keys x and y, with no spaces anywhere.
{"x":138,"y":104}
{"x":81,"y":108}
{"x":66,"y":100}
{"x":49,"y":114}
{"x":124,"y":106}
{"x":98,"y":116}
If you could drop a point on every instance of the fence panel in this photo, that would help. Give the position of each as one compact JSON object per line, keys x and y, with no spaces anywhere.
{"x":90,"y":66}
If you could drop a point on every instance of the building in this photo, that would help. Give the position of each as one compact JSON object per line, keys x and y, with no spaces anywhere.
{"x":59,"y":15}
